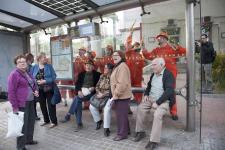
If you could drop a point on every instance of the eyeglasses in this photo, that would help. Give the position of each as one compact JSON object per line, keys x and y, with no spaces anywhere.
{"x":115,"y":55}
{"x":21,"y":62}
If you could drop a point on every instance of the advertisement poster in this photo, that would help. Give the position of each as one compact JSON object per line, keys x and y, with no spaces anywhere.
{"x":61,"y":53}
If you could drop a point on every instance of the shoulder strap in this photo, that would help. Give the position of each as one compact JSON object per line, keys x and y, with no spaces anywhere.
{"x":26,"y":80}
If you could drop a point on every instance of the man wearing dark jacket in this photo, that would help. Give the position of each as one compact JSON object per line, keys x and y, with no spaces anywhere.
{"x":159,"y":95}
{"x":85,"y":86}
{"x":207,"y":58}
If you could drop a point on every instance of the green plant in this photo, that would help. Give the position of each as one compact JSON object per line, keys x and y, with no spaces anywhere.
{"x":218,"y":72}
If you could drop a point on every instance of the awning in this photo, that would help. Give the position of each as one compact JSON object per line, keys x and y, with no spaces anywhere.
{"x":28,"y":15}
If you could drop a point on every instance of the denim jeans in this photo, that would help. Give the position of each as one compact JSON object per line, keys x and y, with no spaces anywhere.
{"x":207,"y":76}
{"x":76,"y":107}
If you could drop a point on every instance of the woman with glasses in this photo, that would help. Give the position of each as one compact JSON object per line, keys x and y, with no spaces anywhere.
{"x":21,"y":92}
{"x":121,"y":93}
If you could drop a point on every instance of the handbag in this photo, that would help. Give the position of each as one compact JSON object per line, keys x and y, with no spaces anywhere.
{"x":48,"y":87}
{"x":98,"y":103}
{"x":56,"y":98}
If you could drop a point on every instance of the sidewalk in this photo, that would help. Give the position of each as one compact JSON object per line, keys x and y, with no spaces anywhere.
{"x":174,"y":136}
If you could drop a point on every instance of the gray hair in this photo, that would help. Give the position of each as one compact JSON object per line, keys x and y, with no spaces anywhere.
{"x":160,"y":61}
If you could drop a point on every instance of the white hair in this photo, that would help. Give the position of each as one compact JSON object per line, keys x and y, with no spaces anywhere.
{"x":159,"y":61}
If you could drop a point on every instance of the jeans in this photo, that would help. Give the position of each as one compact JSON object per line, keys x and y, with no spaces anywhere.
{"x":207,"y":76}
{"x":76,"y":107}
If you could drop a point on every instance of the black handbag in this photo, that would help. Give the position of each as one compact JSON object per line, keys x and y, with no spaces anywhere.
{"x":48,"y":87}
{"x":98,"y":103}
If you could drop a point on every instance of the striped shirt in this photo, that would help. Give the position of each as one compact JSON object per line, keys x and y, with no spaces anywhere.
{"x":157,"y":86}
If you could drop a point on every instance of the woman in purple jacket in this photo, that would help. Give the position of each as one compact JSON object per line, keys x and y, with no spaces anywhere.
{"x":21,"y":92}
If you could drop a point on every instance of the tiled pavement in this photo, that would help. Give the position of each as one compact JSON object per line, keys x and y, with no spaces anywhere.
{"x":174,"y":136}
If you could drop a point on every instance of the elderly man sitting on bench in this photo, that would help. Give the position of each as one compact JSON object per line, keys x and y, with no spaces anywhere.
{"x":159,"y":95}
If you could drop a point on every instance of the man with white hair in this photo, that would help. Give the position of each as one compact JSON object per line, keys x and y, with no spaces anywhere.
{"x":159,"y":95}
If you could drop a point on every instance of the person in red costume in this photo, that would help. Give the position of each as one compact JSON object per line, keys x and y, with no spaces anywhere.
{"x":79,"y":63}
{"x":91,"y":56}
{"x":101,"y":62}
{"x":135,"y":62}
{"x":170,"y":53}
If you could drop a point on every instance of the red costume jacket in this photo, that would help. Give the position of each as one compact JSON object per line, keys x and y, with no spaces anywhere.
{"x":135,"y":62}
{"x":101,"y":62}
{"x":169,"y":54}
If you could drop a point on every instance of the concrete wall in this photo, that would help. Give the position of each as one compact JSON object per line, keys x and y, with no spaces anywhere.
{"x":11,"y":44}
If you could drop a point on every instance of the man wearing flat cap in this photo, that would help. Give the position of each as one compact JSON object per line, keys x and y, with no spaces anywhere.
{"x":170,"y":53}
{"x":85,"y":86}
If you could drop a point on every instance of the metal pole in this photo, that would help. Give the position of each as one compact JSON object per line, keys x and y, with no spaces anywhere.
{"x":200,"y":124}
{"x":189,"y":17}
{"x":114,"y":32}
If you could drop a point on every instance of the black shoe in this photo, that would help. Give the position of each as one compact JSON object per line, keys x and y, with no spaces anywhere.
{"x":37,"y":118}
{"x":32,"y":143}
{"x":98,"y":125}
{"x":151,"y":145}
{"x":139,"y":136}
{"x":106,"y":132}
{"x":78,"y":127}
{"x":174,"y":117}
{"x":22,"y":148}
{"x":66,"y":119}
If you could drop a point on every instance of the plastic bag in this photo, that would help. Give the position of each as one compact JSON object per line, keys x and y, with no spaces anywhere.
{"x":85,"y":91}
{"x":15,"y":124}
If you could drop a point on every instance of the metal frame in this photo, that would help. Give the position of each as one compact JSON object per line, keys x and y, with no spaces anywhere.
{"x":91,"y":4}
{"x":118,"y":6}
{"x":143,"y":9}
{"x":33,"y":21}
{"x":11,"y":26}
{"x":58,"y":14}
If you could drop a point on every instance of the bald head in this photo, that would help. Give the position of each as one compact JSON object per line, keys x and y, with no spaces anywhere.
{"x":158,"y":64}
